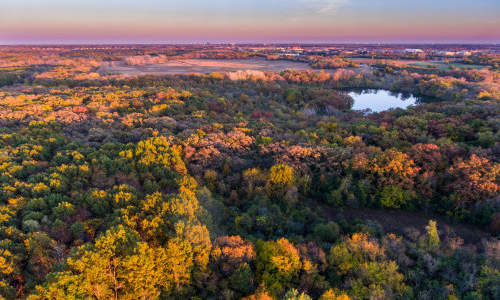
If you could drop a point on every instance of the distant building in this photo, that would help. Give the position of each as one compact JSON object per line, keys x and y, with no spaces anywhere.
{"x":295,"y":49}
{"x":414,"y":51}
{"x":447,"y":53}
{"x":288,"y":54}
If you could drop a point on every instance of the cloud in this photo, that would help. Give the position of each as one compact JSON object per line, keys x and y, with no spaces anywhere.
{"x":326,"y":7}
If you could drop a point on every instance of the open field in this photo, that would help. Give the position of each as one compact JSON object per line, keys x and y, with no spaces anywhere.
{"x":418,"y":63}
{"x":203,"y":66}
{"x":443,"y":66}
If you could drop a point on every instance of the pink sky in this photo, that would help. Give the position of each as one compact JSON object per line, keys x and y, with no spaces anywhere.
{"x":25,"y":21}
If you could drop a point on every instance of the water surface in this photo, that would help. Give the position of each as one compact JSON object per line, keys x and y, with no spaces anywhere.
{"x":380,"y":100}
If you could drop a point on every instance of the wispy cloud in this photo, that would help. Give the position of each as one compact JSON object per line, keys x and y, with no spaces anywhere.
{"x":326,"y":7}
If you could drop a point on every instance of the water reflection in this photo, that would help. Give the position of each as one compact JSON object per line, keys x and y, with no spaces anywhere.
{"x":380,"y":100}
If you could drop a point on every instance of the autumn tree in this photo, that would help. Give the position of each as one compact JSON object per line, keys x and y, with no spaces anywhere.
{"x":475,"y":179}
{"x":278,"y":264}
{"x":293,"y":294}
{"x":281,"y":183}
{"x":119,"y":266}
{"x":332,"y":295}
{"x":363,"y":266}
{"x":432,"y":234}
{"x":158,"y":158}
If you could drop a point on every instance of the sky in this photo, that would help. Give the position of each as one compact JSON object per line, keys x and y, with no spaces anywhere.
{"x":239,"y":21}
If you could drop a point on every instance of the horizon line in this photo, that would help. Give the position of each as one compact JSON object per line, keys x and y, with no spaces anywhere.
{"x":496,"y":43}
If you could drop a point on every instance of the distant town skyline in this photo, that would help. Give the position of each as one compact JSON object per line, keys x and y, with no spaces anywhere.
{"x":270,"y":21}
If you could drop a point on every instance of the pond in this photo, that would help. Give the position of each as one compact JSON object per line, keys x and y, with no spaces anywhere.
{"x":380,"y":100}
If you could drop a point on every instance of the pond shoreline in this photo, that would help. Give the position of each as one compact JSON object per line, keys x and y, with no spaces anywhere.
{"x":378,"y":100}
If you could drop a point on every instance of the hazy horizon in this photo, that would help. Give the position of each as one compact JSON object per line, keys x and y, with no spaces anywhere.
{"x":259,"y":21}
{"x":111,"y":43}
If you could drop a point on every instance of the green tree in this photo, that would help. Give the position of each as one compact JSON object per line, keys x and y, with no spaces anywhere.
{"x":362,"y":264}
{"x":327,"y":232}
{"x":432,"y":234}
{"x":242,"y":279}
{"x":332,"y":295}
{"x":394,"y":197}
{"x":278,"y":264}
{"x":293,"y":294}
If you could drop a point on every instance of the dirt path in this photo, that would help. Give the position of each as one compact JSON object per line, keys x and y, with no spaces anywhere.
{"x":397,"y":221}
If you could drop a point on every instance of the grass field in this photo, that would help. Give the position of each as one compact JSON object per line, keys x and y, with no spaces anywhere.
{"x":443,"y":66}
{"x":188,"y":66}
{"x":422,"y":64}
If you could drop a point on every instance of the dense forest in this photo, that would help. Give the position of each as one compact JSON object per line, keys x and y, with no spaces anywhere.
{"x":245,"y":186}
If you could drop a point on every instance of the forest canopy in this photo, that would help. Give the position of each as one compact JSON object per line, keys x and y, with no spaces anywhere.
{"x":245,"y":186}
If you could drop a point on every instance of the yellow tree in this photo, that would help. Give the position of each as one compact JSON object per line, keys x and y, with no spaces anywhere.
{"x":278,"y":264}
{"x":179,"y":263}
{"x":432,"y":234}
{"x":280,"y":182}
{"x":332,"y":295}
{"x":363,"y":265}
{"x":119,"y":266}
